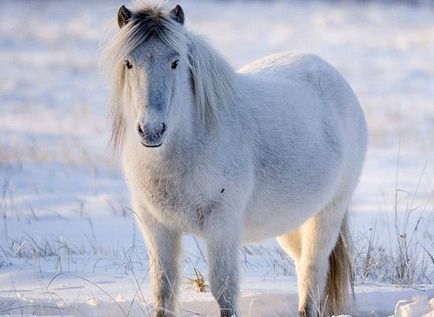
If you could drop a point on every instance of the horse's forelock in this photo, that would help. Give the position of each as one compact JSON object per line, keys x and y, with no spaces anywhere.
{"x":146,"y":22}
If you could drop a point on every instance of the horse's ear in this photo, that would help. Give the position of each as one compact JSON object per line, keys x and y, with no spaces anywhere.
{"x":124,"y":15}
{"x":177,"y":14}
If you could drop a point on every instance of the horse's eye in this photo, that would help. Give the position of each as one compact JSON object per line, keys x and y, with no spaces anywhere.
{"x":175,"y":64}
{"x":128,"y":64}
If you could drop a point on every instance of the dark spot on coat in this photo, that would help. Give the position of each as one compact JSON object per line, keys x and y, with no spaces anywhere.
{"x":222,"y":191}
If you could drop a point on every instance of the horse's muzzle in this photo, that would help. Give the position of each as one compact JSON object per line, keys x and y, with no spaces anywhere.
{"x":151,"y":137}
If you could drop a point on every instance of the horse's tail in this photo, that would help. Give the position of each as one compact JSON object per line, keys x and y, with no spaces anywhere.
{"x":341,"y":275}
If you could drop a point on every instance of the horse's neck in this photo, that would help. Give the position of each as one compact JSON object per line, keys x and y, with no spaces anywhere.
{"x":189,"y":144}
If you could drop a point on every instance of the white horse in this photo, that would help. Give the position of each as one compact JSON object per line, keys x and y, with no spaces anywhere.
{"x":275,"y":149}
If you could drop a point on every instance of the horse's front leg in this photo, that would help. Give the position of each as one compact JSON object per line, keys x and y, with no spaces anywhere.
{"x":223,"y":235}
{"x":163,"y":248}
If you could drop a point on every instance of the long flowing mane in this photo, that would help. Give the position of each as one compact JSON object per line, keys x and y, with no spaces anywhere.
{"x":213,"y":80}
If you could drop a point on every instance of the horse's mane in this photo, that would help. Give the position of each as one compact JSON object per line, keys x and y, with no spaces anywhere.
{"x":213,"y":79}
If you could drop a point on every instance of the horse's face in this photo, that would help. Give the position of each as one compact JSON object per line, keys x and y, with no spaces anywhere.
{"x":155,"y":74}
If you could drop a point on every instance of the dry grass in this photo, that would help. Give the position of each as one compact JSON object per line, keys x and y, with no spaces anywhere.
{"x":409,"y":260}
{"x":198,"y":282}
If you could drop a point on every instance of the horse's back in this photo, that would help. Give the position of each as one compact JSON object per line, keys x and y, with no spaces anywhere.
{"x":310,"y":73}
{"x":286,"y":64}
{"x":291,"y":67}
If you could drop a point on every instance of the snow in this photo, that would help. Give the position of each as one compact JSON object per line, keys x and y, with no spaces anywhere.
{"x":96,"y":294}
{"x":417,"y":306}
{"x":69,"y":245}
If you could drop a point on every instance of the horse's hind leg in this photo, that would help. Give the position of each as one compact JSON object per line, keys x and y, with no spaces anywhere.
{"x":291,"y":243}
{"x":318,"y":239}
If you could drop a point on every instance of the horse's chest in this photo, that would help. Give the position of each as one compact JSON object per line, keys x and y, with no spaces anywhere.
{"x":166,"y":192}
{"x":176,"y":200}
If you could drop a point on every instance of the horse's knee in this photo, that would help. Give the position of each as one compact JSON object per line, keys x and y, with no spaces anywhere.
{"x":312,"y":278}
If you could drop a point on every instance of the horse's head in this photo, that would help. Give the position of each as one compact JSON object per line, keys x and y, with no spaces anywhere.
{"x":166,"y":80}
{"x":155,"y":70}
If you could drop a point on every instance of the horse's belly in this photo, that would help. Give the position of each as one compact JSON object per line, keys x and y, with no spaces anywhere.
{"x":280,"y":207}
{"x":265,"y":222}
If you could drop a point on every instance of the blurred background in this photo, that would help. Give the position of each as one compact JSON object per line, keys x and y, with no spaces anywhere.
{"x":62,"y":190}
{"x":53,"y":95}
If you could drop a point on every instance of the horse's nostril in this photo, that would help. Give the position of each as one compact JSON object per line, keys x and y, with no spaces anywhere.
{"x":151,"y":135}
{"x":140,"y":130}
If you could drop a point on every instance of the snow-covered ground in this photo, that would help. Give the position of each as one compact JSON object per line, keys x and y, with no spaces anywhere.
{"x":69,"y":245}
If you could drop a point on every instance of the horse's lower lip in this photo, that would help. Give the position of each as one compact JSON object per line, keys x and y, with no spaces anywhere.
{"x":151,"y":145}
